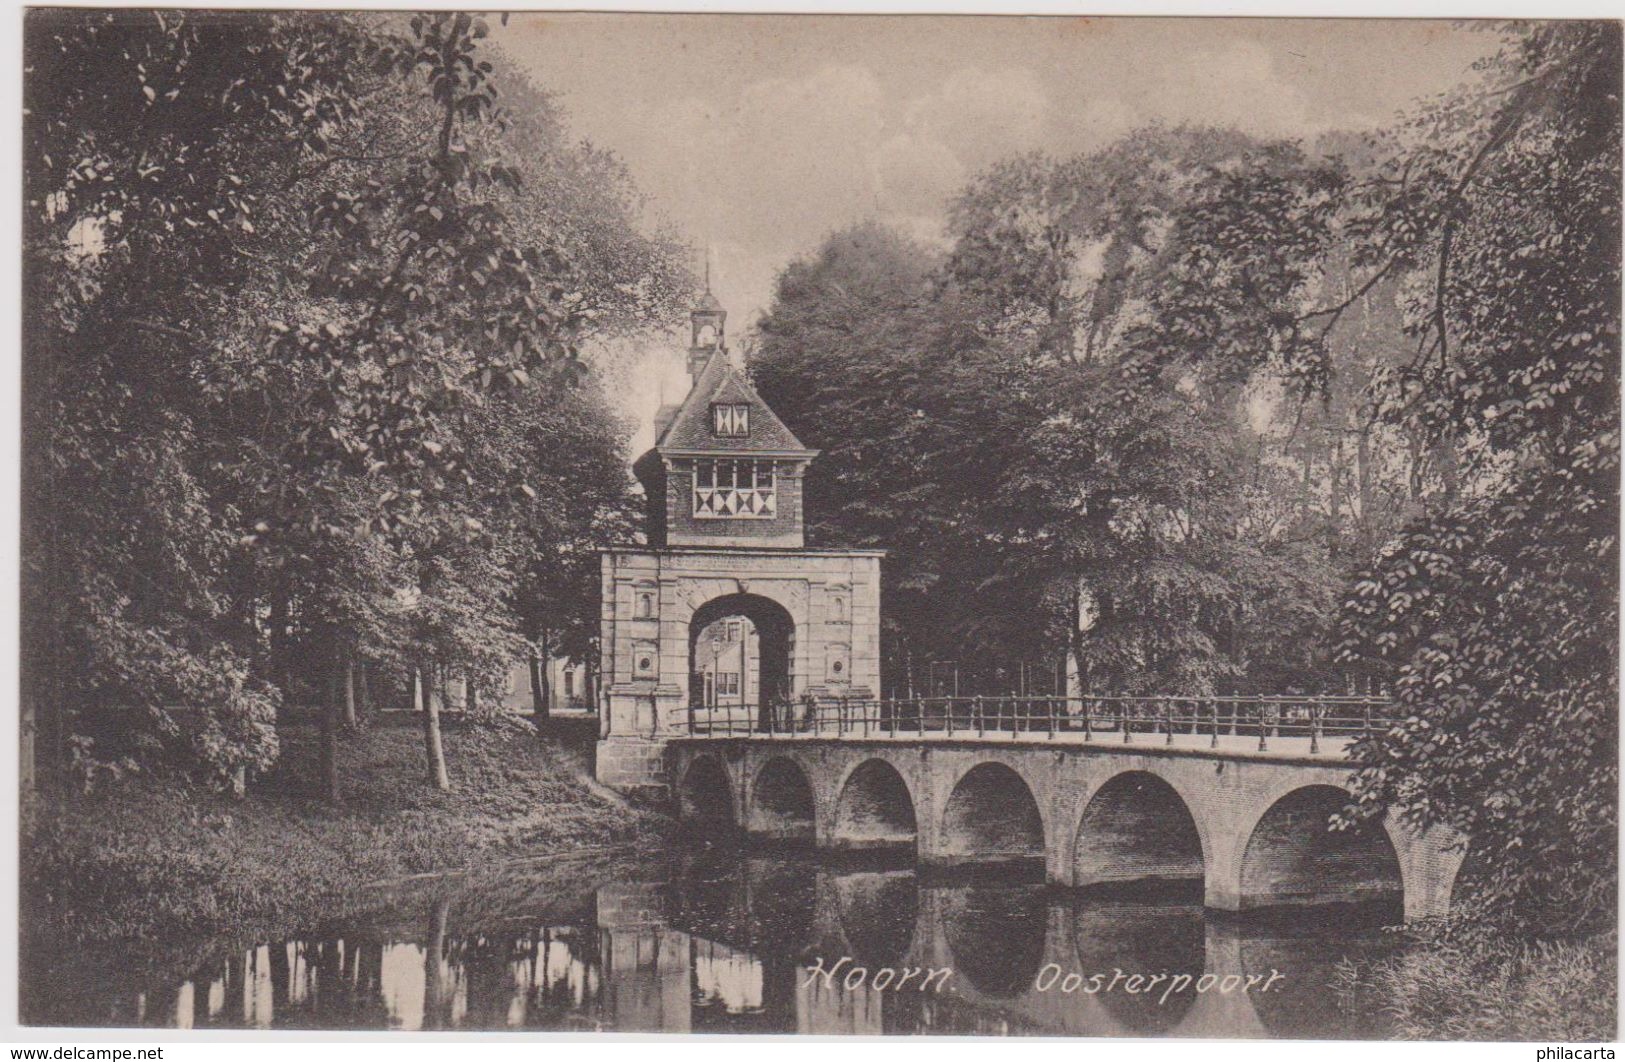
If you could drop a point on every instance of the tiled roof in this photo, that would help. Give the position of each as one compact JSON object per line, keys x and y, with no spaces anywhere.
{"x":718,"y":382}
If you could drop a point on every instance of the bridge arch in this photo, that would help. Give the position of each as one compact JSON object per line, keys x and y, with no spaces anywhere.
{"x":1137,"y":827}
{"x":991,"y":815}
{"x":705,"y":795}
{"x":782,"y":804}
{"x":874,"y":808}
{"x":1293,"y":856}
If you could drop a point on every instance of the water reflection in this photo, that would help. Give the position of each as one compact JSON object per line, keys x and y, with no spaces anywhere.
{"x":721,"y":944}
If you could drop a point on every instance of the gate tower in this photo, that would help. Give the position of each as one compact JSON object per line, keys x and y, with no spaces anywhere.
{"x":725,"y":564}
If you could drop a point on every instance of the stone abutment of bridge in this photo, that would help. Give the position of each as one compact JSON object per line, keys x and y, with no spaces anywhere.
{"x":1255,"y":830}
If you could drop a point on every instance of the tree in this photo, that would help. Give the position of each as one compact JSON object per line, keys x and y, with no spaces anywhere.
{"x":149,"y":139}
{"x":1491,"y":224}
{"x":285,"y":289}
{"x":1497,"y":617}
{"x":1033,"y":505}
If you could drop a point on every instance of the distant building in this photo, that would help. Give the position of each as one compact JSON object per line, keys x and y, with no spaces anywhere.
{"x":569,"y":689}
{"x":567,"y":682}
{"x":727,"y":658}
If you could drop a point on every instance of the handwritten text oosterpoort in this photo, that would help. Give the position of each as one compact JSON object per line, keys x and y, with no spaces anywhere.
{"x":1051,"y":978}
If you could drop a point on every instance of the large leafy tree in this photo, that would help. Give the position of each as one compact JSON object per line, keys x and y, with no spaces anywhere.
{"x":289,"y":301}
{"x":1497,"y":615}
{"x":1034,"y":506}
{"x":150,"y":140}
{"x":1474,"y":257}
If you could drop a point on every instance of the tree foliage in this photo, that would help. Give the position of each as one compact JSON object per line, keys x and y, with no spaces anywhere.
{"x":305,"y":369}
{"x":1157,"y":404}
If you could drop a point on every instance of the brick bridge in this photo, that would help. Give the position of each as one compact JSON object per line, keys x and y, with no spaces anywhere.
{"x":1250,"y":822}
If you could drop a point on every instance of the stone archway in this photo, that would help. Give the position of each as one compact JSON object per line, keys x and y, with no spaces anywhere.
{"x":1137,"y":828}
{"x":1294,"y":857}
{"x":705,"y":795}
{"x":782,"y":803}
{"x":769,"y":680}
{"x":874,"y":809}
{"x":991,"y":816}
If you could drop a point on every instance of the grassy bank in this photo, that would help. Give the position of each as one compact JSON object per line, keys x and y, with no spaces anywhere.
{"x":140,"y":857}
{"x":1556,"y":992}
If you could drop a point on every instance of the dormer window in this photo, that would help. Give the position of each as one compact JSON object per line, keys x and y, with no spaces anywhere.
{"x":730,"y":420}
{"x":733,"y":489}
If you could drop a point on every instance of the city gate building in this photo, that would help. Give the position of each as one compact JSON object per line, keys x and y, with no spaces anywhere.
{"x":725,"y":539}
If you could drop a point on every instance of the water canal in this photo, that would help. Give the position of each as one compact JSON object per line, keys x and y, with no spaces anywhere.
{"x":722,"y":941}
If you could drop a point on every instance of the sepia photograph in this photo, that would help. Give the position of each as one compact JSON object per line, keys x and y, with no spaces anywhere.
{"x":841,"y":525}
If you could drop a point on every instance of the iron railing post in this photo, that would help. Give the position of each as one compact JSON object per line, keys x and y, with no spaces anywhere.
{"x":1263,"y":727}
{"x":1128,"y":738}
{"x":1314,"y":729}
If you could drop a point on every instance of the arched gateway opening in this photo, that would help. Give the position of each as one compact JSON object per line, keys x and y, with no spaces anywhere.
{"x":739,"y":650}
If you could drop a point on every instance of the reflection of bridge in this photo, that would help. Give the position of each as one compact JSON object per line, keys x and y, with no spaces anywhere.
{"x":997,"y":940}
{"x":712,"y":944}
{"x":1239,"y":798}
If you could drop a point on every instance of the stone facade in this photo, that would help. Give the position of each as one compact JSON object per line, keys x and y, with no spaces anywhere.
{"x":649,"y":600}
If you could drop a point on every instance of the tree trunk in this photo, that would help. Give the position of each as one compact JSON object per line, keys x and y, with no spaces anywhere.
{"x":349,"y":691}
{"x":434,"y":987}
{"x":431,"y":733}
{"x":330,"y":737}
{"x":278,"y":644}
{"x":364,"y":695}
{"x":1364,"y":539}
{"x":538,"y":707}
{"x":546,"y":707}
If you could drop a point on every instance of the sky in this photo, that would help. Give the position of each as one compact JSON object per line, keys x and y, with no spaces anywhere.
{"x":756,"y":136}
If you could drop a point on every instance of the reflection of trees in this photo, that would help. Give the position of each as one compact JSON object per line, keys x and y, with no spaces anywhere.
{"x":505,"y":972}
{"x":1141,"y":939}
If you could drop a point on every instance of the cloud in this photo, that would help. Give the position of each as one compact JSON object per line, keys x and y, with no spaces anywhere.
{"x":982,"y":114}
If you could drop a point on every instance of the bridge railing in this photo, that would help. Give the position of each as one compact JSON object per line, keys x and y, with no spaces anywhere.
{"x":1226,"y":721}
